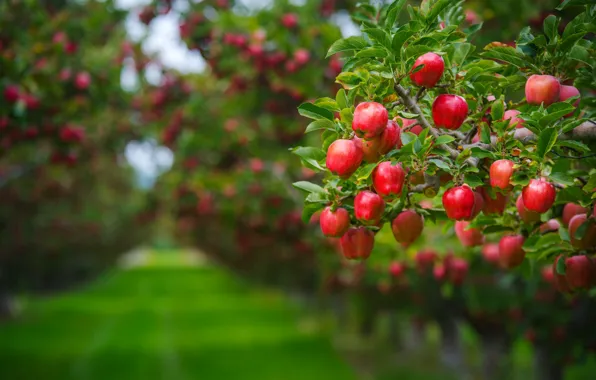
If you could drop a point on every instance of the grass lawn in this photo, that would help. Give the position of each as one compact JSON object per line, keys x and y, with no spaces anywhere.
{"x":165,"y":320}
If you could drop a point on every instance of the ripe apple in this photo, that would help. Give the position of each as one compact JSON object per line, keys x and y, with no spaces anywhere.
{"x":567,"y":92}
{"x":406,"y":123}
{"x":390,"y":138}
{"x":425,"y":260}
{"x":490,"y":252}
{"x":492,"y":205}
{"x":579,"y":272}
{"x":511,"y":252}
{"x":539,"y":195}
{"x":369,"y":207}
{"x":570,"y":210}
{"x":525,"y":215}
{"x":344,"y":157}
{"x":407,"y":226}
{"x":514,"y":121}
{"x":370,"y":148}
{"x":439,"y":272}
{"x":552,"y":225}
{"x":548,"y":274}
{"x":449,"y":111}
{"x":370,"y":119}
{"x":459,"y":202}
{"x":560,"y":279}
{"x":11,"y":93}
{"x":500,"y":173}
{"x":388,"y":179}
{"x":432,"y":71}
{"x":458,"y":269}
{"x":542,"y":89}
{"x":357,"y":243}
{"x":289,"y":20}
{"x":469,"y":237}
{"x":478,"y":204}
{"x":396,"y":268}
{"x":587,"y":241}
{"x":82,"y":80}
{"x":334,"y":223}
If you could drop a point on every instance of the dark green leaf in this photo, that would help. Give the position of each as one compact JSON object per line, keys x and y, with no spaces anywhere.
{"x":506,"y":54}
{"x":581,"y":54}
{"x":497,"y":110}
{"x":349,"y":80}
{"x":313,"y":112}
{"x":328,"y":104}
{"x":461,"y":53}
{"x":440,"y":164}
{"x":575,"y":145}
{"x":309,"y":187}
{"x":365,"y":172}
{"x":310,"y":156}
{"x":568,"y":3}
{"x":561,"y":267}
{"x":437,"y":8}
{"x":347,"y":44}
{"x":399,"y":39}
{"x":342,"y":99}
{"x":546,"y":141}
{"x":378,"y":35}
{"x":309,"y":210}
{"x":551,"y":24}
{"x":444,"y":139}
{"x":393,"y":12}
{"x":372,"y":52}
{"x":320,"y":124}
{"x":582,"y":229}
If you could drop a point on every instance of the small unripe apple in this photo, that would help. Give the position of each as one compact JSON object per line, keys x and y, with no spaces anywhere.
{"x":469,"y":237}
{"x":334,"y":223}
{"x":542,"y":89}
{"x":390,"y":138}
{"x":369,"y":207}
{"x":492,"y":205}
{"x":514,"y":121}
{"x":432,"y":71}
{"x":357,"y":243}
{"x":511,"y":252}
{"x":579,"y":272}
{"x":551,"y":225}
{"x":370,"y":119}
{"x":567,"y":92}
{"x":500,"y":173}
{"x":570,"y":210}
{"x":407,"y":226}
{"x":449,"y":111}
{"x":396,"y":268}
{"x":539,"y":195}
{"x":526,"y":215}
{"x":490,"y":252}
{"x":388,"y":179}
{"x":459,"y":202}
{"x":344,"y":157}
{"x":587,"y":241}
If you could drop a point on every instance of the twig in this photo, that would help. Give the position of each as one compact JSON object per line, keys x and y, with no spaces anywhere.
{"x":470,"y":135}
{"x":419,"y":93}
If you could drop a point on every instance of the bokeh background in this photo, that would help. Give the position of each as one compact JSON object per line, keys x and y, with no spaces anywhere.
{"x":149,"y":229}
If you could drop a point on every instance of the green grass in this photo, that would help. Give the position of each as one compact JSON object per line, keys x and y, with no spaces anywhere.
{"x":165,"y":321}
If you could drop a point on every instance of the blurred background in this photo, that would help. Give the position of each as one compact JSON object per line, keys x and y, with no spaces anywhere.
{"x":149,"y":229}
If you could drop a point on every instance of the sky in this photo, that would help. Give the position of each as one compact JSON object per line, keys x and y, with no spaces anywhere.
{"x":163,"y":39}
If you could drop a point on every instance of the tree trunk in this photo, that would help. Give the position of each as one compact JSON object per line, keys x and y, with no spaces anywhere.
{"x":395,"y":338}
{"x":545,"y":368}
{"x":495,"y":349}
{"x":452,"y":354}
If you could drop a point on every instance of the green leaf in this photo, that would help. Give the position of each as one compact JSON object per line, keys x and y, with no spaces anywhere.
{"x":461,"y":53}
{"x":313,"y":112}
{"x":562,"y":178}
{"x":485,"y":134}
{"x":497,"y":110}
{"x":551,"y":24}
{"x":328,"y":104}
{"x":561,"y":267}
{"x":440,"y":164}
{"x":365,"y":171}
{"x":555,"y":112}
{"x":444,"y":139}
{"x":495,"y":229}
{"x":407,"y":115}
{"x":506,"y":54}
{"x":372,"y":52}
{"x":581,"y":54}
{"x":437,"y":8}
{"x":481,"y":153}
{"x":309,"y":187}
{"x":568,"y":3}
{"x":473,"y":180}
{"x":575,"y":145}
{"x":320,"y":124}
{"x":546,"y":141}
{"x":393,"y":12}
{"x":310,"y":156}
{"x":309,"y":210}
{"x":569,"y":41}
{"x":582,"y":229}
{"x":342,"y":99}
{"x":378,"y":35}
{"x":347,"y":44}
{"x":349,"y":80}
{"x":407,"y":138}
{"x":399,"y":39}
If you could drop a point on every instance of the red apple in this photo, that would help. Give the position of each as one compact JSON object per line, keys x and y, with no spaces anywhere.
{"x":500,"y":173}
{"x":567,"y":92}
{"x":425,"y":260}
{"x":289,"y":20}
{"x":369,"y":207}
{"x":334,"y":223}
{"x":370,"y":148}
{"x":552,"y":225}
{"x":492,"y":205}
{"x":458,"y":269}
{"x":432,"y":71}
{"x":439,"y":272}
{"x":514,"y":121}
{"x":469,"y":237}
{"x":548,"y":274}
{"x":370,"y":119}
{"x":344,"y":157}
{"x":587,"y":241}
{"x":560,"y":279}
{"x":11,"y":93}
{"x":459,"y":202}
{"x":539,"y":195}
{"x":390,"y":138}
{"x":357,"y":243}
{"x":407,"y":226}
{"x":82,"y":80}
{"x":570,"y":210}
{"x":542,"y":89}
{"x":490,"y":252}
{"x":449,"y":111}
{"x":511,"y":252}
{"x":579,"y":272}
{"x":478,"y":204}
{"x":388,"y":179}
{"x":525,"y":215}
{"x":396,"y":268}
